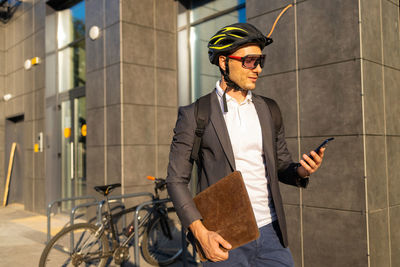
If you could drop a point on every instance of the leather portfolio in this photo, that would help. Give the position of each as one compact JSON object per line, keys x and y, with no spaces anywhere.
{"x":226,"y":209}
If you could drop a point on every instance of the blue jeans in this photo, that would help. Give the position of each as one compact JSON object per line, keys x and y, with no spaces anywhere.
{"x":266,"y":251}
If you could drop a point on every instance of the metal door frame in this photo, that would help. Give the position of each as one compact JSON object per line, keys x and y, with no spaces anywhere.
{"x":70,"y":95}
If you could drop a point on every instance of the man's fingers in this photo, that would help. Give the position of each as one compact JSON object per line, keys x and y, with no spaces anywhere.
{"x":316,"y":158}
{"x":217,"y":254}
{"x":312,"y":164}
{"x":309,"y":161}
{"x":220,"y":254}
{"x":223,"y":242}
{"x":306,"y":166}
{"x":211,"y":246}
{"x":321,"y":152}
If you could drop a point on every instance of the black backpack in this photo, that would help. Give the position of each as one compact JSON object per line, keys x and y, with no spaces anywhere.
{"x":202,"y":114}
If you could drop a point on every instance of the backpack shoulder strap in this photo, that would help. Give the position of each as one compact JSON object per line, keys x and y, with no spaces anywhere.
{"x":202,"y":115}
{"x":275,"y":113}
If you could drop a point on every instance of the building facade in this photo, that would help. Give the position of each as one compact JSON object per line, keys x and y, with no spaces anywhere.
{"x":99,"y":102}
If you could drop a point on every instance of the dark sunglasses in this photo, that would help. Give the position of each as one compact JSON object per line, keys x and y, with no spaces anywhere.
{"x":251,"y":61}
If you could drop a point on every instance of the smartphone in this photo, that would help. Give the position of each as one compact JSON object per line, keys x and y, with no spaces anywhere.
{"x":326,"y":141}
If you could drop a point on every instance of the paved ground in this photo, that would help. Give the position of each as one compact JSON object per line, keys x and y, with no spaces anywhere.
{"x":23,"y":236}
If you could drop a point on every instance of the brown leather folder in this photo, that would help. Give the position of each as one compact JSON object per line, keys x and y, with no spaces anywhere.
{"x":226,"y":209}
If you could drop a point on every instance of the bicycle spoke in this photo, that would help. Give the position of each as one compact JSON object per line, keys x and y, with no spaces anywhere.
{"x":86,"y":249}
{"x":66,"y":263}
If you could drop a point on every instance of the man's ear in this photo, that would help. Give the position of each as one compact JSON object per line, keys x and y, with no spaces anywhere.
{"x":221,"y":62}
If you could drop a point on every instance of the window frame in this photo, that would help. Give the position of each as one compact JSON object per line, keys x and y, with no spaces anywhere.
{"x":186,"y":93}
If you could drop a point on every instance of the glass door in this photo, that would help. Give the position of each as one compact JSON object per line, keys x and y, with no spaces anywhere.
{"x":73,"y":149}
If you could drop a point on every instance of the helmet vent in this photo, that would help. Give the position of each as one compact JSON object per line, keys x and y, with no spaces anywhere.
{"x":238,"y":33}
{"x":225,"y":41}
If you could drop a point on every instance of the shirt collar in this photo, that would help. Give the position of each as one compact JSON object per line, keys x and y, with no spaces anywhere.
{"x":220,"y":92}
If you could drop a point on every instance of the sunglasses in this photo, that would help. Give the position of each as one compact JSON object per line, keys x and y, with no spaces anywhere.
{"x":250,"y":61}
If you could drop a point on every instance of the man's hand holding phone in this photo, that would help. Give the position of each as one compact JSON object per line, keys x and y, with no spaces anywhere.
{"x":311,"y":162}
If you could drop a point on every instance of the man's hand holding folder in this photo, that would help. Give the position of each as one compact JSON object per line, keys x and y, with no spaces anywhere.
{"x":210,"y":242}
{"x":228,"y":219}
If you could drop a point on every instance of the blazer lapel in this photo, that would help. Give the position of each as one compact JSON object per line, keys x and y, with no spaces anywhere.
{"x":264,"y":116}
{"x":218,"y":122}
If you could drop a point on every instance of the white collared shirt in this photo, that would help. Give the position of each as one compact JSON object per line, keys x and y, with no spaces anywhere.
{"x":245,"y":135}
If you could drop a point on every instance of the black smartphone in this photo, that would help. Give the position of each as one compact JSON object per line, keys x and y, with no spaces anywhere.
{"x":326,"y":141}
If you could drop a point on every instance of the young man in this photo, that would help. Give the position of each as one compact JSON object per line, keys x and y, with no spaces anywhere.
{"x":240,"y":136}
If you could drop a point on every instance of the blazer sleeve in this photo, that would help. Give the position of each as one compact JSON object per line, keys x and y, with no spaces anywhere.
{"x":180,"y":166}
{"x":287,"y":169}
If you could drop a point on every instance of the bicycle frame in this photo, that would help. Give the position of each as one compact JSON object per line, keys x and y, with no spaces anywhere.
{"x":152,"y":211}
{"x":155,"y":218}
{"x":157,"y":209}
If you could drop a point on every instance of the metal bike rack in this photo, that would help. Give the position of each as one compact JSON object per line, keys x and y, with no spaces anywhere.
{"x":74,"y":209}
{"x":99,"y":205}
{"x":99,"y":210}
{"x":116,"y":198}
{"x":59,"y":201}
{"x":136,"y":225}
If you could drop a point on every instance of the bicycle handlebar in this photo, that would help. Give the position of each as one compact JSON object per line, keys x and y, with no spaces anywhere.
{"x":160,"y":183}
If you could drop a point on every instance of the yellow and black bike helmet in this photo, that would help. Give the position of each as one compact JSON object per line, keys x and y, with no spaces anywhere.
{"x":231,"y":37}
{"x":228,"y":39}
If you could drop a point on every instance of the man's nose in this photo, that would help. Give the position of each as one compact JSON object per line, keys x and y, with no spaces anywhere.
{"x":258,"y":69}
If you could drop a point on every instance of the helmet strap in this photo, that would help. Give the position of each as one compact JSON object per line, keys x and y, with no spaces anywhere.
{"x":230,"y":85}
{"x":224,"y":101}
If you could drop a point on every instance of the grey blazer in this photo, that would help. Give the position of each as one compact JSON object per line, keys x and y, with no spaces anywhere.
{"x":217,"y":159}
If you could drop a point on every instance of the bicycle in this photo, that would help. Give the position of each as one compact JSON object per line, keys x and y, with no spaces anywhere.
{"x":86,"y":244}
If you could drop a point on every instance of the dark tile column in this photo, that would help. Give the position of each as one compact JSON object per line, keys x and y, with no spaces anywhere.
{"x":2,"y":118}
{"x":334,"y":70}
{"x":379,"y":238}
{"x":148,"y":89}
{"x":131,"y":91}
{"x":381,"y":79}
{"x":96,"y":155}
{"x":38,"y":101}
{"x":103,"y":91}
{"x":395,"y":235}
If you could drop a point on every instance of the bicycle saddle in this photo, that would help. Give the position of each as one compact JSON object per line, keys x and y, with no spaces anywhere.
{"x":106,"y":189}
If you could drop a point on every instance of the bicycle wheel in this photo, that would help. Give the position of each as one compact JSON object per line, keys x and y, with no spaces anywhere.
{"x":162,"y":240}
{"x":87,"y":249}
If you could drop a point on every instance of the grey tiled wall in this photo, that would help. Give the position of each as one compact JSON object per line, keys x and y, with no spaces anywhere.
{"x":381,"y":79}
{"x":103,"y":87}
{"x":335,"y":73}
{"x":2,"y":118}
{"x":131,"y":91}
{"x":149,"y":89}
{"x":20,"y":39}
{"x":331,"y":75}
{"x":334,"y":237}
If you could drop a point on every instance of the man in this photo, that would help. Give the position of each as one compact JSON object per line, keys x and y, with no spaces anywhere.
{"x":239,"y":136}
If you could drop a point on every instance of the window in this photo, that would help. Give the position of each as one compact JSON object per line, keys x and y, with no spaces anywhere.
{"x":65,"y":94}
{"x":65,"y":49}
{"x":71,"y":45}
{"x":196,"y":24}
